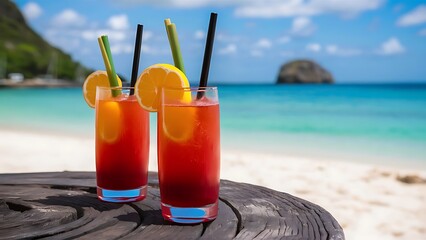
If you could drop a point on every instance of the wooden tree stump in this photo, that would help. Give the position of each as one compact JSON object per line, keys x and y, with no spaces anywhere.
{"x":64,"y":205}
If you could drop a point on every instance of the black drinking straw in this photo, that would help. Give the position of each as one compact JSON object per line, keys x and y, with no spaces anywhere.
{"x":207,"y":55}
{"x":136,"y":57}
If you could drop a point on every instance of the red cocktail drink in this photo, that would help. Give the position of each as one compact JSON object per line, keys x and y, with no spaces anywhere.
{"x":122,"y":147}
{"x":189,"y":156}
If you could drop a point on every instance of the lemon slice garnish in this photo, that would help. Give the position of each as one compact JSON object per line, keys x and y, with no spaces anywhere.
{"x":95,"y":79}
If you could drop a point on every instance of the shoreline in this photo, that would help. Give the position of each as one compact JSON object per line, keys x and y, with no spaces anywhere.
{"x":379,"y":196}
{"x":39,"y":83}
{"x":238,"y":149}
{"x":296,"y":153}
{"x":336,"y":148}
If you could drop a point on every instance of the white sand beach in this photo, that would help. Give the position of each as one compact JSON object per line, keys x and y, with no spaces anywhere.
{"x":367,"y":200}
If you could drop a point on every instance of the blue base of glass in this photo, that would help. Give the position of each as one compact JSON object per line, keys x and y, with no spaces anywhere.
{"x":121,"y":196}
{"x":189,"y":215}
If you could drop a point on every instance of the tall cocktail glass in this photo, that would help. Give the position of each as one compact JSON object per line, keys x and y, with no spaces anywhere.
{"x":189,"y":154}
{"x":122,"y":146}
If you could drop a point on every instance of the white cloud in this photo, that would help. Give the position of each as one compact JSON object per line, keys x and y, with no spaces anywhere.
{"x":338,"y":51}
{"x":183,"y":3}
{"x":74,"y":35}
{"x":85,"y":33}
{"x":302,"y":26}
{"x":292,"y":8}
{"x":68,"y":17}
{"x":417,"y":16}
{"x":331,"y":49}
{"x":32,"y":10}
{"x":223,"y":37}
{"x":147,"y":35}
{"x":146,"y":48}
{"x":67,"y":40}
{"x":256,"y":53}
{"x":113,"y":35}
{"x":118,"y":35}
{"x":300,"y":23}
{"x":313,"y":47}
{"x":391,"y":46}
{"x":199,"y":35}
{"x":229,"y":49}
{"x":263,"y":43}
{"x":345,"y":8}
{"x":422,"y":32}
{"x":118,"y":22}
{"x":275,"y":8}
{"x":149,"y":49}
{"x":284,"y":40}
{"x":121,"y":48}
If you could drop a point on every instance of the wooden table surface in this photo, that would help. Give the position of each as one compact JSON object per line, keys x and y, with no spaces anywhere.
{"x":63,"y":205}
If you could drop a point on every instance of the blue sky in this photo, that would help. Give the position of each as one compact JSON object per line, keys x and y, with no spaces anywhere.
{"x":357,"y":41}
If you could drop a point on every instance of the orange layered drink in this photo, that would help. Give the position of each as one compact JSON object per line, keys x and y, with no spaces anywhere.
{"x":122,"y":146}
{"x":188,"y":143}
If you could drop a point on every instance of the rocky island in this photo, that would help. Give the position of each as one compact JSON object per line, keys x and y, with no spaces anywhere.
{"x":303,"y":71}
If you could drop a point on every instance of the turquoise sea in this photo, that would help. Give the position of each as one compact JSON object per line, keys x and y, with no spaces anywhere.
{"x":367,"y":123}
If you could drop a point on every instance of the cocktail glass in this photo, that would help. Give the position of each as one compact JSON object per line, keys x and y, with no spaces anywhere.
{"x":189,"y":154}
{"x":122,"y":146}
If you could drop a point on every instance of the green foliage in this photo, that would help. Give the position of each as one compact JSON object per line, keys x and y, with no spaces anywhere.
{"x":28,"y":53}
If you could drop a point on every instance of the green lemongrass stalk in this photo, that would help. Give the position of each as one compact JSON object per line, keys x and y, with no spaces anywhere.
{"x":174,"y":44}
{"x":166,"y":23}
{"x":107,"y":64}
{"x":106,"y":54}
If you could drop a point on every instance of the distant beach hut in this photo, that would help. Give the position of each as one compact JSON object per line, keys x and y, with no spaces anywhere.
{"x":16,"y":77}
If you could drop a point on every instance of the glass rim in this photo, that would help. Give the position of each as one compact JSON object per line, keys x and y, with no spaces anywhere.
{"x":115,"y":88}
{"x":191,"y":89}
{"x":167,"y":88}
